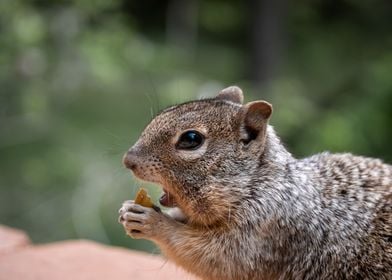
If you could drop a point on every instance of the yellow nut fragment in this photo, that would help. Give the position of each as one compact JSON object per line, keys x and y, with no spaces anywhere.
{"x":143,"y":199}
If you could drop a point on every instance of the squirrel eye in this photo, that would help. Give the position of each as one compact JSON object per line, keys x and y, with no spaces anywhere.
{"x":190,"y":140}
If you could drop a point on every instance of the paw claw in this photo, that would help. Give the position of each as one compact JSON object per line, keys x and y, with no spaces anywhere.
{"x":139,"y":221}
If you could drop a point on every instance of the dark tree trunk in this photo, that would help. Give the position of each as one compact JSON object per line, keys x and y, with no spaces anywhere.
{"x":181,"y":24}
{"x":267,"y":19}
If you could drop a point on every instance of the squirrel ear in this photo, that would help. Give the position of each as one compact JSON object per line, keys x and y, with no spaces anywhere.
{"x":256,"y":116}
{"x":233,"y":94}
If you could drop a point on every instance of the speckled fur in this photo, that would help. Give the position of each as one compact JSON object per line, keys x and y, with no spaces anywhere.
{"x":256,"y":212}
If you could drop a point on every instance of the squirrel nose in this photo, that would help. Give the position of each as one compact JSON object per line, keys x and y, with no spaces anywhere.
{"x":130,"y":159}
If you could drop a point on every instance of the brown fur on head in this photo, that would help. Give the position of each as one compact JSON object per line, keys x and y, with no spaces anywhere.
{"x":201,"y":179}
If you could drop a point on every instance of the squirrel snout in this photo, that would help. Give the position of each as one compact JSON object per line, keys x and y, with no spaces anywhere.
{"x":129,"y":160}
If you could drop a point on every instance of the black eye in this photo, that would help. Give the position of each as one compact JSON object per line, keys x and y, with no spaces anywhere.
{"x":190,"y":140}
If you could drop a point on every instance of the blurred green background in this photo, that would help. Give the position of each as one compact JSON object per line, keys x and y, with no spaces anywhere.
{"x":79,"y":80}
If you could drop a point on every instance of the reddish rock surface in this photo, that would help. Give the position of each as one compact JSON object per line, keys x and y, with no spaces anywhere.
{"x":80,"y":259}
{"x":12,"y":239}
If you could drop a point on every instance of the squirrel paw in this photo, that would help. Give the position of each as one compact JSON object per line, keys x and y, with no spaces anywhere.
{"x":139,"y":221}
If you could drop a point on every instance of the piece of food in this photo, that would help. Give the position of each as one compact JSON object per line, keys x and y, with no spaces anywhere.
{"x":143,"y":199}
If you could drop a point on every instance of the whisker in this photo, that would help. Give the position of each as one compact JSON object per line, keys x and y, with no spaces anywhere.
{"x":155,"y":92}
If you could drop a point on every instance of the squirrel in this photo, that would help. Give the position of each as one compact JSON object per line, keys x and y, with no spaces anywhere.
{"x":242,"y":207}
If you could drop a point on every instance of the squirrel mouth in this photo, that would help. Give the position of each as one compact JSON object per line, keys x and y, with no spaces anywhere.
{"x":167,"y":199}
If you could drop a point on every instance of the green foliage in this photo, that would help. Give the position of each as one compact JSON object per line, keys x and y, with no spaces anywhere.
{"x":80,"y":79}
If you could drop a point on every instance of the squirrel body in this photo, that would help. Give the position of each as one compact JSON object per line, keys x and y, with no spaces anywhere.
{"x":248,"y":208}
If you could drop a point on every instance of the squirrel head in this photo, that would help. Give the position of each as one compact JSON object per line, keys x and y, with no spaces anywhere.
{"x":202,"y":153}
